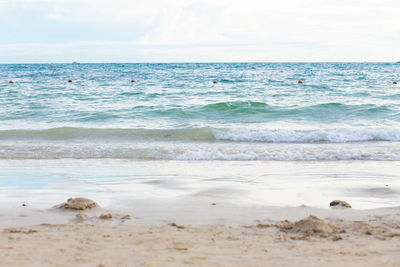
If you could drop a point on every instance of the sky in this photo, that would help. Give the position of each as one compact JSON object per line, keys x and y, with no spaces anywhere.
{"x":42,"y":31}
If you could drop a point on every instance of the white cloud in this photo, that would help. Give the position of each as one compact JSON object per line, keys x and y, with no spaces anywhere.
{"x":228,"y":30}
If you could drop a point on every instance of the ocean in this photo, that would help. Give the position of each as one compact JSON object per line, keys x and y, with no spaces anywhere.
{"x":175,"y":118}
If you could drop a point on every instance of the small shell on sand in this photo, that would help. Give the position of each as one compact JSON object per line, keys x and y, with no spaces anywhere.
{"x":176,"y":225}
{"x":126,"y":217}
{"x":107,"y":216}
{"x":78,"y":203}
{"x":339,"y":204}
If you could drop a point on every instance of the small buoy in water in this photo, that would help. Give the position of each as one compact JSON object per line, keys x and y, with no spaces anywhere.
{"x":70,"y":81}
{"x":11,"y":81}
{"x":133,"y":80}
{"x":299,"y":81}
{"x":394,"y":82}
{"x":215,"y":81}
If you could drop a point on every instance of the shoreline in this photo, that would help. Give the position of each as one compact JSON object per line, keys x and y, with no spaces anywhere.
{"x":119,"y":184}
{"x":274,"y":236}
{"x":173,"y":213}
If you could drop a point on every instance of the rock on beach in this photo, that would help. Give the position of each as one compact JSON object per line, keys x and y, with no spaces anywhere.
{"x":339,"y":204}
{"x":78,"y":203}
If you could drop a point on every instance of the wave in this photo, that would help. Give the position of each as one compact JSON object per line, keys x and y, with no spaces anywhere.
{"x":260,"y":106}
{"x":193,"y":152}
{"x":339,"y":135}
{"x":259,"y":111}
{"x":110,"y":134}
{"x":221,"y":112}
{"x":208,"y":134}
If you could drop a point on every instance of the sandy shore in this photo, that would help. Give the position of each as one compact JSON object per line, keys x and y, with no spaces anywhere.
{"x":333,"y":238}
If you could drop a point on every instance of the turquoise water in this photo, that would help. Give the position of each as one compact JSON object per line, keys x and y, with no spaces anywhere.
{"x":256,"y":111}
{"x":255,"y":137}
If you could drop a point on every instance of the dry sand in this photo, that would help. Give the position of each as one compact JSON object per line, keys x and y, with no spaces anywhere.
{"x":88,"y":239}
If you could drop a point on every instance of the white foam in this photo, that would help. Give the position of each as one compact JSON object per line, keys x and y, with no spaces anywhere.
{"x":384,"y":151}
{"x":336,"y":135}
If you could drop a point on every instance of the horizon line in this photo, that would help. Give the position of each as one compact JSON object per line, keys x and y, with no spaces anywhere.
{"x":193,"y":62}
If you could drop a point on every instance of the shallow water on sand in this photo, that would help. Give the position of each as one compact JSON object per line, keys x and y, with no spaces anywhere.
{"x":119,"y":184}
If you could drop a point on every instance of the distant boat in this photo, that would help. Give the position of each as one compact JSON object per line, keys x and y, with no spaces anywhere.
{"x":398,"y":62}
{"x":75,"y":63}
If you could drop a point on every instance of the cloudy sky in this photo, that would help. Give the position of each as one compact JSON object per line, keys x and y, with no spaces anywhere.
{"x":199,"y":30}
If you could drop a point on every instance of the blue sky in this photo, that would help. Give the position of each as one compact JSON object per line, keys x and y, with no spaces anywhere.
{"x":198,"y":31}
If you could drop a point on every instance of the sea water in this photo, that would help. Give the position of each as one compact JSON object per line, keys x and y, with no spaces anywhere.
{"x":174,"y":124}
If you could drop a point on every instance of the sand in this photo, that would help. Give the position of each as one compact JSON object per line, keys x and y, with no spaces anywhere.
{"x":112,"y":238}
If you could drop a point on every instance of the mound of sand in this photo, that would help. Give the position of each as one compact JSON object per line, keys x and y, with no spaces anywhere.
{"x":310,"y":225}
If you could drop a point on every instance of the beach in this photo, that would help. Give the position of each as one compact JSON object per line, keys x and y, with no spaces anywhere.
{"x":369,"y":238}
{"x":176,"y":220}
{"x":186,"y":171}
{"x":101,"y":244}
